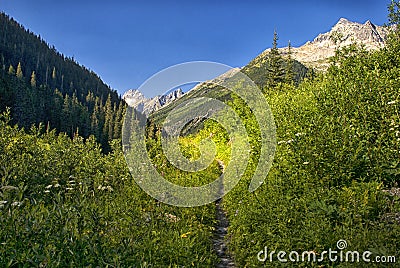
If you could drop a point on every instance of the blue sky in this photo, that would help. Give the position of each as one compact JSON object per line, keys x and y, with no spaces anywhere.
{"x":126,"y":42}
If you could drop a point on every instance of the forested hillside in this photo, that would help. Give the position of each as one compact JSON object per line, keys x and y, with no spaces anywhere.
{"x":40,"y":84}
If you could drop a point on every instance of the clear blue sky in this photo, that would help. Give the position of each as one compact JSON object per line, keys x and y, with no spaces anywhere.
{"x":125,"y":42}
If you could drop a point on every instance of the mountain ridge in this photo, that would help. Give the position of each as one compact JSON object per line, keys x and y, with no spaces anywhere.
{"x":134,"y":98}
{"x":315,"y":53}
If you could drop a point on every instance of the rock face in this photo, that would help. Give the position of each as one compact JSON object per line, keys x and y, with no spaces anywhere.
{"x":135,"y":98}
{"x":315,"y":54}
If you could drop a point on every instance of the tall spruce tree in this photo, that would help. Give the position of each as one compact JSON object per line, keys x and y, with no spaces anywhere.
{"x":53,"y":74}
{"x":276,"y":72}
{"x":108,"y":120}
{"x":119,"y":116}
{"x":289,"y":72}
{"x":33,"y":79}
{"x":11,"y":70}
{"x":19,"y":73}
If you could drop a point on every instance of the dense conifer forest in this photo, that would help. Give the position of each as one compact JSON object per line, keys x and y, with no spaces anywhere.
{"x":41,"y":85}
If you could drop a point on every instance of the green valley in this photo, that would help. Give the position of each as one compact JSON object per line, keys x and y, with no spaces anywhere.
{"x":68,"y":199}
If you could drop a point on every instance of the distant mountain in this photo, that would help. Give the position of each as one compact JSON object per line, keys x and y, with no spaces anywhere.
{"x":136,"y":99}
{"x":256,"y":70}
{"x":315,"y":53}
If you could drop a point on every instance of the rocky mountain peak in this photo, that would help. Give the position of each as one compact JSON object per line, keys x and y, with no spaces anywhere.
{"x":136,"y":99}
{"x":343,"y":21}
{"x":343,"y":33}
{"x":315,"y":53}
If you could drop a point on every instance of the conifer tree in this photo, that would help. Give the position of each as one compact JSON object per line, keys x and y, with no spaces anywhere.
{"x":118,"y":121}
{"x":11,"y":70}
{"x":275,"y":69}
{"x":289,"y":73}
{"x":108,"y":120}
{"x":33,"y":79}
{"x":94,"y":123}
{"x":53,"y":74}
{"x":67,"y":123}
{"x":47,"y":74}
{"x":19,"y":73}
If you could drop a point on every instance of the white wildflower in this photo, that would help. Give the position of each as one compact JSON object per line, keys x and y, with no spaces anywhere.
{"x":47,"y":191}
{"x":171,"y":218}
{"x":300,"y":134}
{"x":236,"y":212}
{"x":290,"y":141}
{"x":69,"y":188}
{"x":57,"y":185}
{"x":306,"y":163}
{"x":391,"y":102}
{"x":16,"y":204}
{"x":280,"y":142}
{"x":3,"y":202}
{"x":49,"y":186}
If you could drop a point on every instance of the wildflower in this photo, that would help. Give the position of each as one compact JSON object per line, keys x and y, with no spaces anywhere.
{"x":16,"y":204}
{"x":391,"y":102}
{"x":171,"y":218}
{"x":49,"y":186}
{"x":306,"y":163}
{"x":57,"y":185}
{"x":47,"y":191}
{"x":299,"y":134}
{"x":280,"y":142}
{"x":185,"y":234}
{"x":69,"y":188}
{"x":290,"y":141}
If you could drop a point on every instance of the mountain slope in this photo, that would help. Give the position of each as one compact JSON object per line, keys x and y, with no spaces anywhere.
{"x":315,"y":54}
{"x":257,"y":70}
{"x":40,"y":84}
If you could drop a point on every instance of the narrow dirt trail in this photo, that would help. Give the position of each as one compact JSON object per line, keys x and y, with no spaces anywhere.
{"x":220,"y":233}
